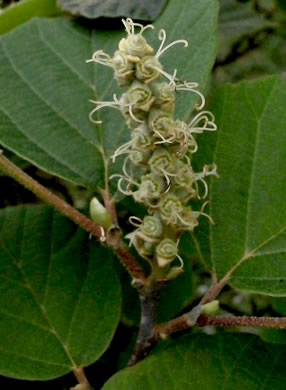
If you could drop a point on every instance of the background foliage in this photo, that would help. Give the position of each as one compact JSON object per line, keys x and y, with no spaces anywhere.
{"x":60,"y":294}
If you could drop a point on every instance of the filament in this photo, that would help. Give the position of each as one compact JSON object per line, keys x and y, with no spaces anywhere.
{"x":101,"y":58}
{"x":185,"y":86}
{"x":135,"y":221}
{"x":162,"y":37}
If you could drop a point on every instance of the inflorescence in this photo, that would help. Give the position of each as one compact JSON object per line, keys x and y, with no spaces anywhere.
{"x":160,"y":144}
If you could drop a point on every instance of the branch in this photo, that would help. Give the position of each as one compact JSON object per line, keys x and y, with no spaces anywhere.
{"x":149,"y":298}
{"x":113,"y":239}
{"x":182,"y":323}
{"x":261,"y":322}
{"x":144,"y":339}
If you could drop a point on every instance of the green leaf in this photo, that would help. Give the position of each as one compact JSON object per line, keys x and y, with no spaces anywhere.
{"x":248,"y":241}
{"x":281,"y":4}
{"x":19,"y":13}
{"x":273,"y":336}
{"x":44,"y":100}
{"x":279,"y":305}
{"x":60,"y":296}
{"x":147,"y":10}
{"x":46,"y":85}
{"x":229,"y":362}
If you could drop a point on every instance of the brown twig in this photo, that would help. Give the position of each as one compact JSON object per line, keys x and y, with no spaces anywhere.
{"x":149,"y":297}
{"x":144,"y":339}
{"x":48,"y":197}
{"x":262,"y":322}
{"x":182,"y":323}
{"x":121,"y":250}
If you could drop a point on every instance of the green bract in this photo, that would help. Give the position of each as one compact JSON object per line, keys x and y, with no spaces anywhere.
{"x":160,"y":146}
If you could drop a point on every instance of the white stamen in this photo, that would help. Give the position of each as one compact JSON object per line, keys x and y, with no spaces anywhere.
{"x":171,"y":78}
{"x":189,"y":86}
{"x":181,"y":261}
{"x":131,"y":236}
{"x":208,"y":125}
{"x":129,"y":26}
{"x":135,"y":221}
{"x":100,"y":105}
{"x":124,"y":167}
{"x":164,"y":140}
{"x":183,"y":221}
{"x":206,"y":188}
{"x":206,"y":215}
{"x":102,"y":234}
{"x":123,"y":149}
{"x":132,"y":115}
{"x":124,"y":191}
{"x":101,"y":58}
{"x":162,"y":37}
{"x":172,"y":81}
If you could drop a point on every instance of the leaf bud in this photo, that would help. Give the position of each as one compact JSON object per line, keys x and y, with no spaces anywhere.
{"x":99,"y":214}
{"x":211,"y":308}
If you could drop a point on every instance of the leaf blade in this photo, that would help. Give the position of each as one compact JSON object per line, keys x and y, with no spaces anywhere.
{"x":46,"y":303}
{"x":248,"y":241}
{"x":228,"y":358}
{"x":113,"y":8}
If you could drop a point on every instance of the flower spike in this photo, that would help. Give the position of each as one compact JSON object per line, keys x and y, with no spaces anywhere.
{"x":157,"y":166}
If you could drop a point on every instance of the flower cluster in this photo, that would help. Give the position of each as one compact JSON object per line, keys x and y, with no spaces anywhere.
{"x":160,"y":144}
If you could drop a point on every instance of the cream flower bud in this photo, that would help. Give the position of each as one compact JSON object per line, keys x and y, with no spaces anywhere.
{"x":151,"y":228}
{"x":165,"y":96}
{"x":150,"y":189}
{"x":166,"y":252}
{"x":139,"y":96}
{"x":148,"y":69}
{"x":162,"y":163}
{"x":170,"y":207}
{"x":139,"y":158}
